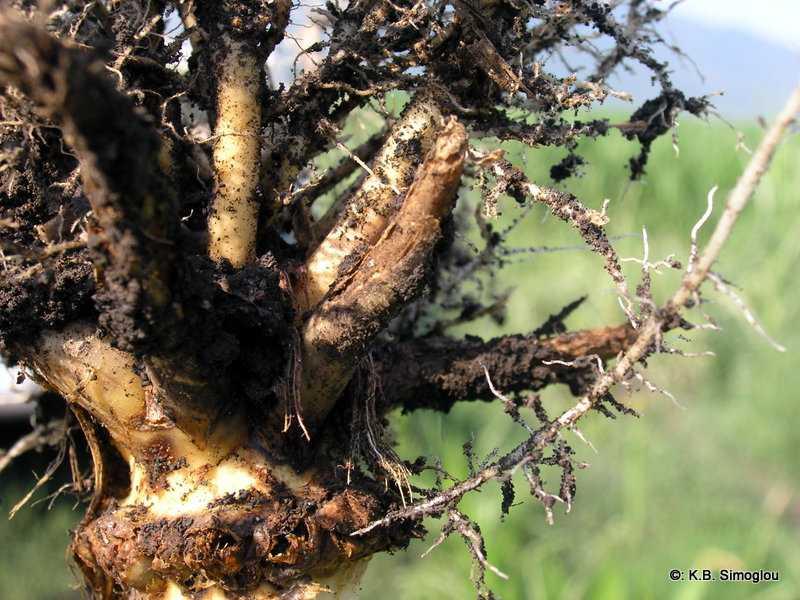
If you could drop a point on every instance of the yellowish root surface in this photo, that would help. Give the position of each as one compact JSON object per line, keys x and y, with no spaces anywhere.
{"x":233,"y":219}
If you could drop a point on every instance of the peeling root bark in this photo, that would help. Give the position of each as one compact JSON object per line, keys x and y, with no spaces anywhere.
{"x":233,"y":221}
{"x":390,"y":274}
{"x":366,"y":215}
{"x":212,"y":513}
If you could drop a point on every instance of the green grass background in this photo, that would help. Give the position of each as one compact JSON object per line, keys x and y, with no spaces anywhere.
{"x":712,"y":486}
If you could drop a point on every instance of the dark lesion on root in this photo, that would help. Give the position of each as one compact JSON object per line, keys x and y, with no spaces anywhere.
{"x":239,"y":542}
{"x":437,"y":371}
{"x":160,"y":460}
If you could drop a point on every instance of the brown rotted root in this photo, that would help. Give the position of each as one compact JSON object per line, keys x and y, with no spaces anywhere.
{"x":243,"y":542}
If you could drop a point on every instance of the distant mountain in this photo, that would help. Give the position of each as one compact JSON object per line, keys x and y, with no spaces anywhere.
{"x":755,"y":73}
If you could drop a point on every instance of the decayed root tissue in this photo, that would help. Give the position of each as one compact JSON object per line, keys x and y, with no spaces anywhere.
{"x":362,"y":220}
{"x":377,"y":281}
{"x":200,"y":512}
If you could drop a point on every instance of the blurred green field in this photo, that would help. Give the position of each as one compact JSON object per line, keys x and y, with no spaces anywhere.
{"x":713,"y":486}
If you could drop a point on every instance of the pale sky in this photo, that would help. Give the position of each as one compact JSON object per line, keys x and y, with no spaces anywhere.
{"x":778,"y":20}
